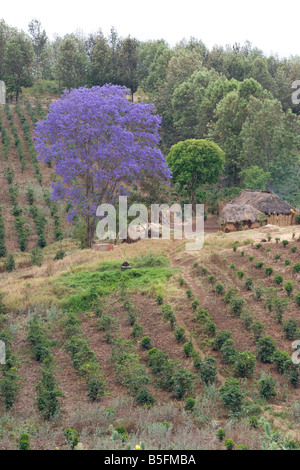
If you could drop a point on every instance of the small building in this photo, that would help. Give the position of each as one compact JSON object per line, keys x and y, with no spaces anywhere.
{"x":253,"y":208}
{"x":239,"y":217}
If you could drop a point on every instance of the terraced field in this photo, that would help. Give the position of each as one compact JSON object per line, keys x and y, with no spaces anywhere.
{"x":30,"y":219}
{"x":152,"y":354}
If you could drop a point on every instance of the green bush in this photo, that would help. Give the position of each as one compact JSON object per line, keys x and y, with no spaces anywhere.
{"x":24,"y":442}
{"x":190,"y":404}
{"x":179,"y":334}
{"x":244,"y":364}
{"x":249,"y":283}
{"x":240,"y":274}
{"x":146,"y":342}
{"x":290,"y":328}
{"x":287,"y":262}
{"x":297,"y":299}
{"x":269,"y":271}
{"x":241,"y":447}
{"x":37,"y":257}
{"x":266,"y":386}
{"x":71,"y":324}
{"x":59,"y":255}
{"x":265,"y":349}
{"x":96,"y":388}
{"x":296,"y":268}
{"x":237,"y":304}
{"x":222,"y":336}
{"x":48,"y":394}
{"x":259,"y":264}
{"x":228,"y":351}
{"x":219,"y":289}
{"x":208,"y":370}
{"x":285,"y":243}
{"x":221,"y":434}
{"x":188,"y":349}
{"x":137,"y":330}
{"x":231,"y":394}
{"x":10,"y":263}
{"x":229,"y":444}
{"x":71,"y":436}
{"x":282,"y":360}
{"x":289,"y":287}
{"x":109,"y":324}
{"x":229,"y":295}
{"x":144,"y":397}
{"x":278,"y":279}
{"x":183,"y":382}
{"x":168,"y":315}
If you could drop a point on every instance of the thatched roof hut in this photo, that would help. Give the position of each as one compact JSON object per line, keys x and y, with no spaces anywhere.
{"x":234,"y":213}
{"x":264,"y":201}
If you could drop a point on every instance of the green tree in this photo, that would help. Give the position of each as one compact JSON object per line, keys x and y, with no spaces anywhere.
{"x":18,"y":63}
{"x":195,"y":163}
{"x":128,"y":64}
{"x":39,"y":42}
{"x":232,"y":395}
{"x":71,"y":68}
{"x":255,"y":178}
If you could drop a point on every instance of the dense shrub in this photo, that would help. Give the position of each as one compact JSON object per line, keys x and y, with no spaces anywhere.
{"x":109,"y":324}
{"x":48,"y":394}
{"x":228,"y":351}
{"x":221,"y":434}
{"x":137,"y":330}
{"x":289,"y":287}
{"x":146,"y":343}
{"x":237,"y":304}
{"x":23,"y":443}
{"x":190,"y":404}
{"x":71,"y":436}
{"x":266,"y":386}
{"x":249,"y":283}
{"x":97,"y":388}
{"x":208,"y":370}
{"x":290,"y":327}
{"x":183,"y":383}
{"x":179,"y":334}
{"x":265,"y":349}
{"x":244,"y":364}
{"x":222,"y":336}
{"x":10,"y":264}
{"x":231,"y":394}
{"x":188,"y":349}
{"x":168,"y":315}
{"x":296,"y":268}
{"x":229,"y":444}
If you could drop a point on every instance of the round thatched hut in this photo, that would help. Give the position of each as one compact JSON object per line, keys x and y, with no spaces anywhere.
{"x":239,"y":217}
{"x":252,"y":207}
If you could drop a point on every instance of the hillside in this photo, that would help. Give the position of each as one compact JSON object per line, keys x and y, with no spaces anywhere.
{"x":25,"y":184}
{"x":72,"y":320}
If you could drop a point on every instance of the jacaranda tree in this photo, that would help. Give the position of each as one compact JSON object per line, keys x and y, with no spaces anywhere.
{"x":98,"y":143}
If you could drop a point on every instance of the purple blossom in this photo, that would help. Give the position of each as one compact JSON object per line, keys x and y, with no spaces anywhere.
{"x":99,"y":143}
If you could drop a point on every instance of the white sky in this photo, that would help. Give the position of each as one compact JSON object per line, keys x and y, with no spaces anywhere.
{"x":272,"y":26}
